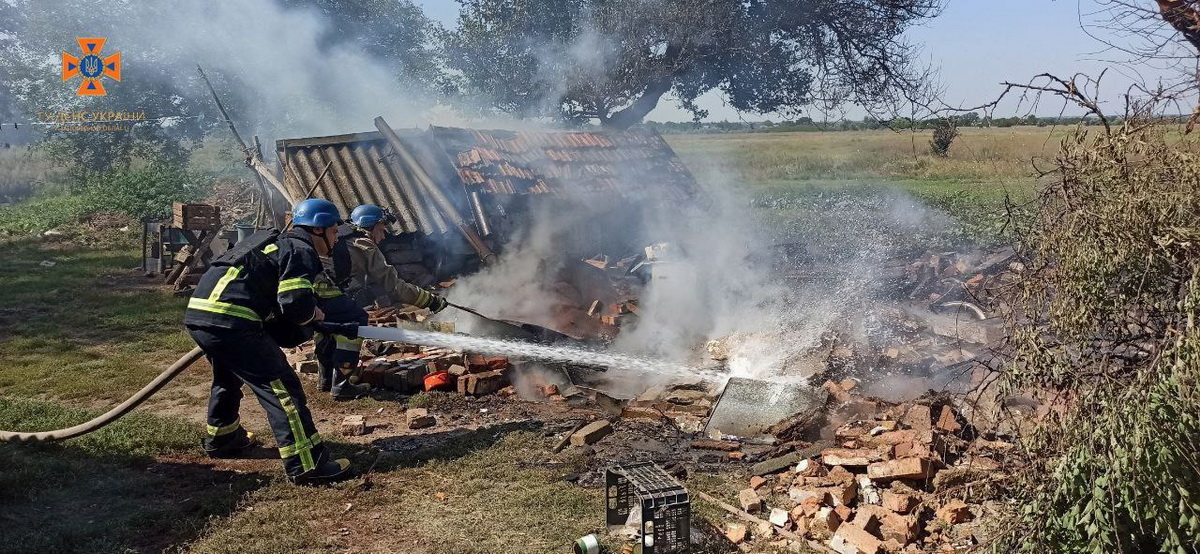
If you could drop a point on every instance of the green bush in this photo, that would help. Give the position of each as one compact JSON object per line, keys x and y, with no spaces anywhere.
{"x":147,"y":190}
{"x":1110,"y":326}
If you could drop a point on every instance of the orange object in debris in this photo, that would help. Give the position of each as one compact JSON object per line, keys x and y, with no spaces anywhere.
{"x":437,"y":380}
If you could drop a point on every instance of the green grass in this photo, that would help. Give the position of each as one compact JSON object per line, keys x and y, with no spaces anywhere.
{"x":88,"y":327}
{"x":106,"y":492}
{"x":978,"y":155}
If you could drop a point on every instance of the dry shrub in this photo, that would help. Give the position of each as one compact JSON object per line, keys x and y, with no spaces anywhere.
{"x":943,"y":136}
{"x":1110,"y":302}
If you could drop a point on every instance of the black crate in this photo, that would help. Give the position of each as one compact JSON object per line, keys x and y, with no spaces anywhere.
{"x":666,"y":507}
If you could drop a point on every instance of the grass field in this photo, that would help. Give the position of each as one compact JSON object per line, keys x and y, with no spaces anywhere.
{"x":991,"y":156}
{"x":799,"y":182}
{"x":87,"y":330}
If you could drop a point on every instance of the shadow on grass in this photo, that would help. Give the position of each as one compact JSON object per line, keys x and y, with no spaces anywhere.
{"x":411,"y":451}
{"x":135,"y":486}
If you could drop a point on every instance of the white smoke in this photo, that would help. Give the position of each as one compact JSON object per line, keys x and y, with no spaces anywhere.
{"x":290,"y":83}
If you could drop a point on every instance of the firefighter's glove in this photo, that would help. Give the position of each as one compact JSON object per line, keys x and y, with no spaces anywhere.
{"x":437,"y":304}
{"x":348,"y":330}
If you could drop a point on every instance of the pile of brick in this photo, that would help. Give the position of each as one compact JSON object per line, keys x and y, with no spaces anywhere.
{"x":686,"y":405}
{"x":892,"y":483}
{"x":403,"y":367}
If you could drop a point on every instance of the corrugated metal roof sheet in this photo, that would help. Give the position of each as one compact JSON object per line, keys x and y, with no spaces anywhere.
{"x":363,"y":171}
{"x":634,"y":164}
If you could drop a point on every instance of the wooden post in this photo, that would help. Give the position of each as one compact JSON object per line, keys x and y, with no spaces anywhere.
{"x":435,"y":192}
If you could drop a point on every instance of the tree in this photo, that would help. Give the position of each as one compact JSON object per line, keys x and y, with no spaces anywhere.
{"x":613,"y":60}
{"x":396,"y":33}
{"x":30,"y":64}
{"x":944,"y":133}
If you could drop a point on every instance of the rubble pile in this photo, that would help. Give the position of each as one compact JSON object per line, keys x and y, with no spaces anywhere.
{"x":409,"y":369}
{"x":912,"y":477}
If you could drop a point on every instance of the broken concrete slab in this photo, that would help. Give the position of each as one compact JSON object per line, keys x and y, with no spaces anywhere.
{"x":749,"y":407}
{"x":775,"y":465}
{"x":419,"y":418}
{"x":354,"y":425}
{"x":967,"y":328}
{"x":591,"y":433}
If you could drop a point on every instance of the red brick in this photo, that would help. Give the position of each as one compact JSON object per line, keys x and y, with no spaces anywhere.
{"x":955,"y":511}
{"x":749,"y":501}
{"x":757,"y":481}
{"x":839,"y":475}
{"x":895,"y":437}
{"x":735,"y":456}
{"x":907,"y":468}
{"x":479,"y":384}
{"x":918,"y":417}
{"x":837,"y":392}
{"x":591,"y":433}
{"x":419,"y":418}
{"x":856,"y":537}
{"x":824,"y":523}
{"x":848,"y":457}
{"x":723,"y":446}
{"x":899,"y":502}
{"x":636,"y":412}
{"x":354,"y":425}
{"x":840,"y":494}
{"x":902,"y":529}
{"x":947,"y":421}
{"x":736,"y":532}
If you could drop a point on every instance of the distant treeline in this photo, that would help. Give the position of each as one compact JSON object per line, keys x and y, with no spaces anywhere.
{"x":808,"y":124}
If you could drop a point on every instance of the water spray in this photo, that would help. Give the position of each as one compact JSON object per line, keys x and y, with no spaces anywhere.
{"x":546,"y":353}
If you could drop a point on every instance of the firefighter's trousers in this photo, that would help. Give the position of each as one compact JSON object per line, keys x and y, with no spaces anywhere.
{"x":246,"y":356}
{"x":337,"y":355}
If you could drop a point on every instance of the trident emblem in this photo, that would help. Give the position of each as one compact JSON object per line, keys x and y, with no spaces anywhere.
{"x":91,"y":67}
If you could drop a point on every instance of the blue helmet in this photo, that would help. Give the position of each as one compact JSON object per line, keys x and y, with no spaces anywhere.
{"x":315,"y":212}
{"x":367,"y":215}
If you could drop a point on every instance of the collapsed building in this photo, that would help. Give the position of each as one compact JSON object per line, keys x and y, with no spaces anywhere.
{"x":461,"y":197}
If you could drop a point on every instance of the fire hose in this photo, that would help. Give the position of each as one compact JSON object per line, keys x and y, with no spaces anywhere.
{"x":140,"y":396}
{"x":113,"y":414}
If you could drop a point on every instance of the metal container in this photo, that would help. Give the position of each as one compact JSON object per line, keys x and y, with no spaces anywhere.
{"x":587,"y":545}
{"x":244,"y":230}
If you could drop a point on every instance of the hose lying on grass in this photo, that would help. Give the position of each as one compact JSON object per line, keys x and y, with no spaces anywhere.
{"x":113,"y":414}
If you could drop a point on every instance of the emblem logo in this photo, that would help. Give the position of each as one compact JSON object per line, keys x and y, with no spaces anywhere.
{"x":91,"y":67}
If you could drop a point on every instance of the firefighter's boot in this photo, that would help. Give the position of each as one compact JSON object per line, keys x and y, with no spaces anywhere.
{"x":346,"y":385}
{"x":229,"y":445}
{"x":327,"y":471}
{"x":325,"y":377}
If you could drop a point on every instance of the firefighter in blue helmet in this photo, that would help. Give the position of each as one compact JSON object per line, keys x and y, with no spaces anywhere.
{"x":358,"y":266}
{"x":257,"y":297}
{"x":361,"y":269}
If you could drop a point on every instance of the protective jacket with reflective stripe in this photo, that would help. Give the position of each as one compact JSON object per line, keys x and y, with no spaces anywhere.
{"x":276,"y":281}
{"x":369,"y":267}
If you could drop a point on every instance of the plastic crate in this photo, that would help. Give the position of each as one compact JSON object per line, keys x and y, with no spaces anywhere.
{"x":666,"y":509}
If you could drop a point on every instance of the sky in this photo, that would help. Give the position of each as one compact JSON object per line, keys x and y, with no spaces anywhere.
{"x":977,"y":45}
